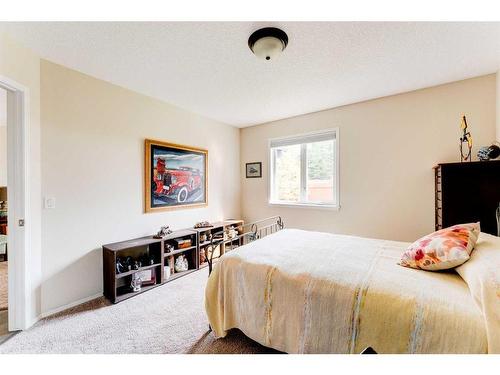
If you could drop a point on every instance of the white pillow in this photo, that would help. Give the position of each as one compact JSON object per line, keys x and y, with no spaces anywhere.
{"x":482,"y":275}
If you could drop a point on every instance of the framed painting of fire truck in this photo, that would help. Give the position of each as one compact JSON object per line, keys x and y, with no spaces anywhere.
{"x":176,"y":176}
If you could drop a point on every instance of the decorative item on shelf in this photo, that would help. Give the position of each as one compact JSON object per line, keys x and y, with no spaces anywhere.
{"x":203,"y":257}
{"x":183,"y":243}
{"x":254,"y":170}
{"x":124,"y":264}
{"x":166,"y":272}
{"x":147,"y":277}
{"x":163,"y":232}
{"x":181,"y":264}
{"x":136,"y":282}
{"x":147,"y":260}
{"x":169,"y":248}
{"x":465,"y":138}
{"x":489,"y":152}
{"x":203,"y":224}
{"x":232,"y":233}
{"x":217,"y":237}
{"x":120,"y":266}
{"x":203,"y":237}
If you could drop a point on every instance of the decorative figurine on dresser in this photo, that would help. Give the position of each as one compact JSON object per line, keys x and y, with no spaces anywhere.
{"x":487,"y":153}
{"x":465,"y":138}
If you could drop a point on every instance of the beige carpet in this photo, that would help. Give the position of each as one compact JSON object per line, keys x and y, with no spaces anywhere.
{"x":167,"y":319}
{"x":4,"y":331}
{"x":3,"y":286}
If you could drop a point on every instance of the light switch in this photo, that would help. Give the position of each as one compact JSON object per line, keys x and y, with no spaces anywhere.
{"x":49,"y":202}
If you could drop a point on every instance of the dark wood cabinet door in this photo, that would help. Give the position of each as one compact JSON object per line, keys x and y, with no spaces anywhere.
{"x":470,"y":193}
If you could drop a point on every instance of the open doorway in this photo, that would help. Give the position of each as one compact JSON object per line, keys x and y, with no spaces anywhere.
{"x":3,"y":217}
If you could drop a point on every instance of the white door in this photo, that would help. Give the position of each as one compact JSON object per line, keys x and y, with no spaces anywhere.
{"x":19,"y":291}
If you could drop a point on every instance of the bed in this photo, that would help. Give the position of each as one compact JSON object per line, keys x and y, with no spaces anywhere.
{"x":308,"y":292}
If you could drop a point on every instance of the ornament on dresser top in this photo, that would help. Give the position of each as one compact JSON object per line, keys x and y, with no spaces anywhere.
{"x":465,"y":138}
{"x":163,"y":232}
{"x":486,"y":153}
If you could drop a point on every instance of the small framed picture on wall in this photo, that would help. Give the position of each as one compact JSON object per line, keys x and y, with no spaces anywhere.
{"x":254,"y":170}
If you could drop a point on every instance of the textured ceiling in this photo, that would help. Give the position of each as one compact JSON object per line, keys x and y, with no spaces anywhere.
{"x":207,"y":67}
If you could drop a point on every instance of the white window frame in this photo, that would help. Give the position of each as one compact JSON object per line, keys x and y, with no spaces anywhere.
{"x":303,"y":161}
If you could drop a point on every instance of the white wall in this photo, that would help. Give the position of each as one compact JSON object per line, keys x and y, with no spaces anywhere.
{"x":3,"y":155}
{"x":93,"y":164}
{"x":22,"y":66}
{"x":3,"y":137}
{"x":388,"y":147}
{"x":3,"y":107}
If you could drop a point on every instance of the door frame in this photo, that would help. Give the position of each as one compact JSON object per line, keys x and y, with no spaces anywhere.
{"x":19,"y":210}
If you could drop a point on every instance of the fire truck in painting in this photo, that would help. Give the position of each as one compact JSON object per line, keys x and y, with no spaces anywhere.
{"x":176,"y":184}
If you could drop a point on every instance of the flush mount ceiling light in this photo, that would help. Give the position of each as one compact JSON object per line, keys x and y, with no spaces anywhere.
{"x":268,"y":43}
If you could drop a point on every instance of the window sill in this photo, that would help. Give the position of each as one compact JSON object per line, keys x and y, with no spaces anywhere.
{"x":332,"y":207}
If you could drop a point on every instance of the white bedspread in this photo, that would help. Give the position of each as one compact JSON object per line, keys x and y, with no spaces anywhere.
{"x":309,"y":292}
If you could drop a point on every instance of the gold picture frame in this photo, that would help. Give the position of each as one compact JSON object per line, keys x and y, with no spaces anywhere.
{"x":176,"y":176}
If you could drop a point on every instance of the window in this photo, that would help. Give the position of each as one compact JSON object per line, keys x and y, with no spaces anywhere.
{"x":304,"y":170}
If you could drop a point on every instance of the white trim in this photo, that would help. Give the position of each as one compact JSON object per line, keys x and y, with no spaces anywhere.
{"x":319,"y":206}
{"x":18,"y":193}
{"x":307,"y":134}
{"x":303,"y":176}
{"x":69,"y":305}
{"x":329,"y":206}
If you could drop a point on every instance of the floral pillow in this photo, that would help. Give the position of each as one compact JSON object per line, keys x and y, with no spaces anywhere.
{"x":441,"y":250}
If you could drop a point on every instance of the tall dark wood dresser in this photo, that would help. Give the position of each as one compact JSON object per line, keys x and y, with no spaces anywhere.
{"x":467,"y":192}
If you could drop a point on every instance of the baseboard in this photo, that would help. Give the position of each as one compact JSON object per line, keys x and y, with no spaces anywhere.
{"x":69,"y":305}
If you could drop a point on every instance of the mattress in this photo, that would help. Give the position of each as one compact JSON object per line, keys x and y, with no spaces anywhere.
{"x":309,"y":292}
